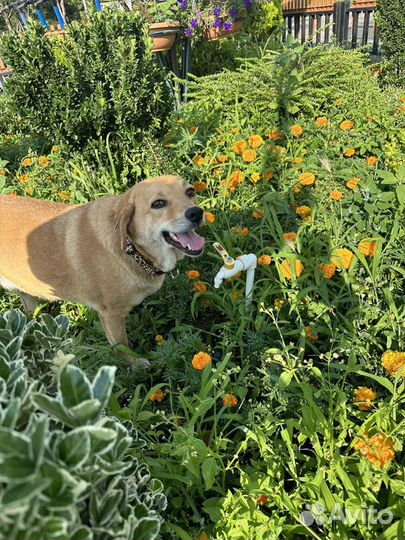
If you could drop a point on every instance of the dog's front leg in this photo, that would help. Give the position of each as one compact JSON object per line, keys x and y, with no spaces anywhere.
{"x":115,"y":330}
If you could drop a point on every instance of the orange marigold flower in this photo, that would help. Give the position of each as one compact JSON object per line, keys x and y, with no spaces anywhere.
{"x":346,"y":125}
{"x":27,"y":162}
{"x":258,"y":214}
{"x":353,"y":183}
{"x":193,"y":130}
{"x":55,"y":149}
{"x":303,"y":211}
{"x":336,"y":195}
{"x":342,"y":258}
{"x":209,"y":216}
{"x":12,"y":193}
{"x":308,"y":219}
{"x":64,"y":196}
{"x":159,"y":339}
{"x":255,"y":141}
{"x":279,"y":150}
{"x":290,"y":238}
{"x":200,"y":186}
{"x":378,"y":449}
{"x":158,"y":396}
{"x":262,"y":500}
{"x":328,"y":270}
{"x":276,"y":135}
{"x":235,"y":296}
{"x":223,"y":158}
{"x":367,"y":247}
{"x":239,"y":147}
{"x":349,"y":152}
{"x":230,"y":400}
{"x":28,"y":191}
{"x":394,"y":362}
{"x":24,"y":179}
{"x":296,"y":130}
{"x":193,"y":275}
{"x":309,"y":334}
{"x":255,"y":177}
{"x":201,"y":360}
{"x":322,"y":122}
{"x":269,"y":175}
{"x":372,"y":161}
{"x":286,"y":270}
{"x":203,"y":535}
{"x":43,"y":161}
{"x":237,"y":177}
{"x":297,"y":189}
{"x":249,"y":155}
{"x":199,"y":161}
{"x":364,"y":398}
{"x":264,"y":260}
{"x":200,"y":287}
{"x":298,"y":160}
{"x":306,"y":179}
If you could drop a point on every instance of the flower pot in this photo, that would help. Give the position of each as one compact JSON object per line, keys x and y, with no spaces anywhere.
{"x":163,"y":35}
{"x":213,"y":34}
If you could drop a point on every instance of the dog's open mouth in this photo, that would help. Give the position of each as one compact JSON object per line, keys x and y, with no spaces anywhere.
{"x":189,"y":242}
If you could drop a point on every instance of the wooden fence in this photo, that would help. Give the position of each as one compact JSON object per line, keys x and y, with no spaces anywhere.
{"x":349,"y":23}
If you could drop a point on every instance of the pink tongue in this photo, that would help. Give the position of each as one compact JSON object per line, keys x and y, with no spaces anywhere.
{"x":192,"y":240}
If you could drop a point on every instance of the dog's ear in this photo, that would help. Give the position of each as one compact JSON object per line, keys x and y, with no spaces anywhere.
{"x":123,"y":216}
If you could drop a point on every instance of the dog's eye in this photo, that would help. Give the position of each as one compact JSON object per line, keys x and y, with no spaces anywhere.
{"x":160,"y":203}
{"x":190,"y":192}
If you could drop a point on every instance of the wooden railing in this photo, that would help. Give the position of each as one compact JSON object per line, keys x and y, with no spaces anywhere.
{"x":312,"y":6}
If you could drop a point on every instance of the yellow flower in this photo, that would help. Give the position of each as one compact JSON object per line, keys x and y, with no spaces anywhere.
{"x":223,"y":158}
{"x":286,"y":270}
{"x":269,"y":175}
{"x":342,"y":258}
{"x":303,"y":211}
{"x":193,"y":275}
{"x":349,"y":152}
{"x":158,"y":396}
{"x":255,"y":141}
{"x":264,"y":260}
{"x":201,"y":360}
{"x":328,"y":270}
{"x":258,"y":214}
{"x":297,"y":130}
{"x":200,"y":287}
{"x":3,"y":172}
{"x":298,"y":160}
{"x":379,"y":450}
{"x":27,"y":162}
{"x":28,"y":191}
{"x":200,"y":186}
{"x":234,"y":130}
{"x":159,"y":339}
{"x":364,"y":397}
{"x":55,"y":149}
{"x":43,"y":161}
{"x":353,"y":183}
{"x":255,"y":177}
{"x":340,"y":101}
{"x":278,"y":302}
{"x":199,"y":161}
{"x":308,"y":219}
{"x":290,"y":238}
{"x":309,"y":334}
{"x":372,"y":161}
{"x":367,"y":247}
{"x":249,"y":155}
{"x":276,"y":135}
{"x":230,"y":400}
{"x":279,"y":150}
{"x":394,"y":362}
{"x":336,"y":195}
{"x":306,"y":179}
{"x":346,"y":125}
{"x":64,"y":196}
{"x":297,"y":189}
{"x":239,"y":147}
{"x":322,"y":122}
{"x":209,"y":216}
{"x":24,"y":179}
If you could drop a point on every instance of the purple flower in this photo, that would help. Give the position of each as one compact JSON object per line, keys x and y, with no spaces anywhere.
{"x":248,"y":4}
{"x":228,"y":26}
{"x":233,"y":13}
{"x":194,"y":23}
{"x":199,"y":15}
{"x":183,"y":4}
{"x":217,"y":11}
{"x":217,"y":23}
{"x":188,"y":32}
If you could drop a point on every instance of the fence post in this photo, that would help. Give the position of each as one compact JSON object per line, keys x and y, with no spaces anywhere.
{"x":341,"y":21}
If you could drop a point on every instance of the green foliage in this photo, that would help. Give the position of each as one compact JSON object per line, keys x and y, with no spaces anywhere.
{"x":99,"y":80}
{"x":66,"y":471}
{"x":391,"y":21}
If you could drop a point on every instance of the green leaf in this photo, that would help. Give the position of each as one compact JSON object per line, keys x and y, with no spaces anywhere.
{"x":74,"y":448}
{"x":394,"y":531}
{"x":82,"y":533}
{"x":13,"y":443}
{"x":53,"y":407}
{"x":74,"y":386}
{"x":16,"y":469}
{"x":17,"y":496}
{"x":103,"y":383}
{"x":209,"y":471}
{"x":381,"y":380}
{"x":147,"y":528}
{"x":85,"y":411}
{"x":37,"y":431}
{"x":285,"y":379}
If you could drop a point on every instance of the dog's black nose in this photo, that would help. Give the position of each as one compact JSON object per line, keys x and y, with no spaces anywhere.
{"x":194,"y":214}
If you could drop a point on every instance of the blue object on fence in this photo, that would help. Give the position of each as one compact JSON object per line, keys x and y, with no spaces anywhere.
{"x":59,"y":16}
{"x":23,"y":17}
{"x":42,"y":18}
{"x":98,"y":5}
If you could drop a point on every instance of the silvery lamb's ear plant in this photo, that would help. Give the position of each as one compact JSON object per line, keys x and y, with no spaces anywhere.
{"x":66,"y":469}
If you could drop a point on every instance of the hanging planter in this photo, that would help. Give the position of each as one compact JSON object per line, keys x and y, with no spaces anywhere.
{"x":214,"y":34}
{"x":163,"y":35}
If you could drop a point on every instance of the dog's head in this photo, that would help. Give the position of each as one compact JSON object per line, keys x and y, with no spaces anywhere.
{"x":160,"y":215}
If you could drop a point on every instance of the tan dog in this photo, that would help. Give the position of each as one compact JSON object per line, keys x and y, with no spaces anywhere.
{"x":109,"y":254}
